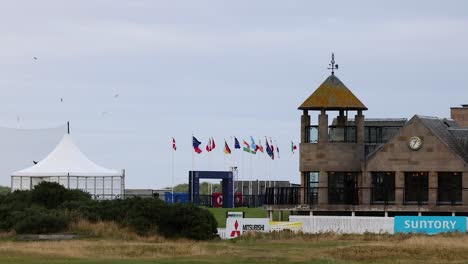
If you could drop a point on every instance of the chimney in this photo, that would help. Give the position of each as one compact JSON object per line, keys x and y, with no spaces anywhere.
{"x":460,"y":115}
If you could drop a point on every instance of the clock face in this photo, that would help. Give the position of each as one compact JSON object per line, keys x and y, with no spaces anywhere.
{"x":415,"y":143}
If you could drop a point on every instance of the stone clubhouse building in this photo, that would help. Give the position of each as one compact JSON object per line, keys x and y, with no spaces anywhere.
{"x":376,"y":167}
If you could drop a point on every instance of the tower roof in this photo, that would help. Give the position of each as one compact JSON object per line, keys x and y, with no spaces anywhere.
{"x":332,"y":94}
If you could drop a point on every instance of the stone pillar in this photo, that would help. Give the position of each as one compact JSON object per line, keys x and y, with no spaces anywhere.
{"x":270,"y":215}
{"x":323,"y":127}
{"x":365,"y":185}
{"x":303,"y":187}
{"x":341,"y":119}
{"x":323,"y":188}
{"x":305,"y":123}
{"x":359,"y":121}
{"x":399,"y":187}
{"x":433,"y":183}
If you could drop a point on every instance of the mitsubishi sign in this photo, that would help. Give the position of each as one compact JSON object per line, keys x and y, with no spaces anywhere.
{"x":235,"y":227}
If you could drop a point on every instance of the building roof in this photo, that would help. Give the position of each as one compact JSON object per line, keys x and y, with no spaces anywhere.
{"x":332,"y":94}
{"x":448,"y":132}
{"x":377,"y":122}
{"x":66,"y":160}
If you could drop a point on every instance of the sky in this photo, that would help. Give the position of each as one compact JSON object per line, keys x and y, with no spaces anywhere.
{"x":134,"y":74}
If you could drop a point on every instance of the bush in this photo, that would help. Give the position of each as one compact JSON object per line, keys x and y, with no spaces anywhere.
{"x":51,"y":195}
{"x":189,"y":221}
{"x":49,"y":207}
{"x":40,"y":221}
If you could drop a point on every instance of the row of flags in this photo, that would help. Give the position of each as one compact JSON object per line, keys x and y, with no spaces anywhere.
{"x":252,"y":147}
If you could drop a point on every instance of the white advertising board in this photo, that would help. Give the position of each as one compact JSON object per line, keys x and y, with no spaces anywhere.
{"x":235,"y":227}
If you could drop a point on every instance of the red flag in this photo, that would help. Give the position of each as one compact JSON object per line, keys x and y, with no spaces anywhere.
{"x":174,"y":144}
{"x":213,"y":145}
{"x":208,"y":146}
{"x":260,"y":147}
{"x":196,"y":145}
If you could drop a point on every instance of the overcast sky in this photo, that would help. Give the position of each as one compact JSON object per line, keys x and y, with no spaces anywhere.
{"x":218,"y":68}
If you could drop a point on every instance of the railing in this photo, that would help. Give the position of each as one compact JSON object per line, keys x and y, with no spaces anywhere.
{"x":356,"y":196}
{"x":344,"y":134}
{"x":239,"y":200}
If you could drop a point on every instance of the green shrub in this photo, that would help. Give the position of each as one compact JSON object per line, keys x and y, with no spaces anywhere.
{"x":40,"y":221}
{"x":51,"y":195}
{"x":189,"y":221}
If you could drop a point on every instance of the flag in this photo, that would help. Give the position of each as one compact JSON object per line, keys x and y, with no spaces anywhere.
{"x":227,"y":150}
{"x":293,"y":147}
{"x":260,"y":147}
{"x":213,"y":145}
{"x":174,"y":144}
{"x":252,"y":144}
{"x":277,"y":151}
{"x":272,"y":150}
{"x":236,"y":143}
{"x":247,"y":147}
{"x":195,"y":144}
{"x":208,"y":146}
{"x":268,"y":150}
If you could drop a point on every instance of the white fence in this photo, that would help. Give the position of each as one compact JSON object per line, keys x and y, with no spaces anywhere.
{"x":222,"y":233}
{"x":344,"y":224}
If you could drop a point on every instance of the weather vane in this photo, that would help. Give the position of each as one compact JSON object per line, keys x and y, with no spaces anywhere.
{"x":333,"y":66}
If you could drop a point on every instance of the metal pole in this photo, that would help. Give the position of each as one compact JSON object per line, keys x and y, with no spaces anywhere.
{"x":172,"y":172}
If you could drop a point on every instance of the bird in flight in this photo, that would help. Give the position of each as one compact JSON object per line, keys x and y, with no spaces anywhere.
{"x":61,"y":99}
{"x":35,"y":58}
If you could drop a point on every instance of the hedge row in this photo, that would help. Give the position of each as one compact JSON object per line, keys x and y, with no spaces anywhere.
{"x":49,"y":208}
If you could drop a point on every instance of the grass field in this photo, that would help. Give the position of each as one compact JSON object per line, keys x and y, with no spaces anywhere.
{"x":257,"y":248}
{"x":220,"y":214}
{"x":275,"y":248}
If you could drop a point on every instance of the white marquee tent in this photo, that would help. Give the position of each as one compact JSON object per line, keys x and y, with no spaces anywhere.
{"x":68,"y":166}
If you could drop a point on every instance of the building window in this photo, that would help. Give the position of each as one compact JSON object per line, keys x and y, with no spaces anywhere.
{"x":311,"y":134}
{"x":344,"y":134}
{"x":449,"y":190}
{"x":416,"y":187}
{"x":379,"y":134}
{"x":312,"y":181}
{"x":383,"y":187}
{"x":342,"y":188}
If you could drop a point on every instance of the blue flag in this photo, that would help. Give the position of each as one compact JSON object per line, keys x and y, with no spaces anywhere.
{"x":236,"y":143}
{"x":252,"y":144}
{"x":268,"y":149}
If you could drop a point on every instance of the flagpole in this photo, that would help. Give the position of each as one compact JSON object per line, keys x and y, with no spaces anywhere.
{"x":172,"y":172}
{"x":193,"y":168}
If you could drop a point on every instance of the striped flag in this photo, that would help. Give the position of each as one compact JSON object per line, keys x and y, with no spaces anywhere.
{"x":293,"y":147}
{"x":227,"y":150}
{"x":247,"y":147}
{"x":196,"y":144}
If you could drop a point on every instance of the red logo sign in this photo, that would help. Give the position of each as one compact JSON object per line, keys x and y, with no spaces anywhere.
{"x":236,"y":232}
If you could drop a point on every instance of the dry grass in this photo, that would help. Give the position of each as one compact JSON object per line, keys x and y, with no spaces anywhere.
{"x":109,"y":230}
{"x":102,"y":249}
{"x":260,"y":248}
